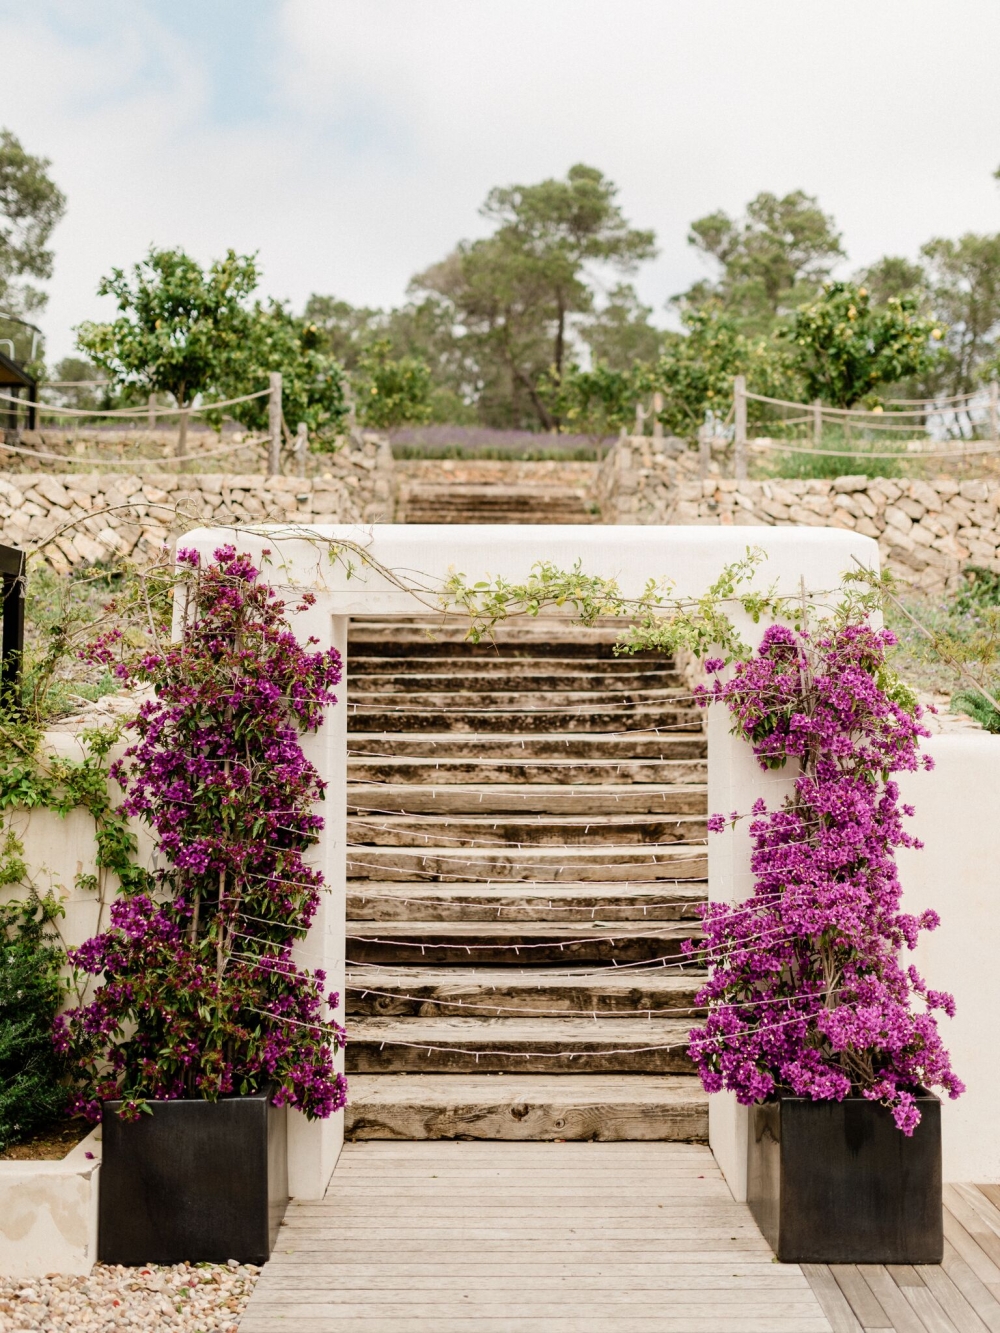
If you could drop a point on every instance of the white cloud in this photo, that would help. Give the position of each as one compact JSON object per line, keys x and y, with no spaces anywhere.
{"x":379,"y":125}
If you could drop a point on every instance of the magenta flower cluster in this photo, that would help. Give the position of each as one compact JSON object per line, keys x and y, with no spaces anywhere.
{"x":807,"y":994}
{"x":200,"y":996}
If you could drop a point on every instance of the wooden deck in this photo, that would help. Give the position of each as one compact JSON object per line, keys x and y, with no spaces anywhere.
{"x":444,"y":1237}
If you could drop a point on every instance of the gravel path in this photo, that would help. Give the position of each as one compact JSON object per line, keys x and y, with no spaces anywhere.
{"x":194,"y":1298}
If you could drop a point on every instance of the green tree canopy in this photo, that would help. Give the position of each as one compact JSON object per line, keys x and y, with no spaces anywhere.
{"x":312,"y":381}
{"x":30,"y":206}
{"x":845,"y":348}
{"x":964,"y":279}
{"x":620,"y":333}
{"x":177,"y":326}
{"x":770,"y":260}
{"x":512,"y":295}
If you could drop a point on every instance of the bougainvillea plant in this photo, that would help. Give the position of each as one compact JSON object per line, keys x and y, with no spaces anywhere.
{"x":200,"y":996}
{"x":808,"y":994}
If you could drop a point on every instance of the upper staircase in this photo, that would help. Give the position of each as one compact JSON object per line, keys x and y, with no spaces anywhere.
{"x":527,"y":855}
{"x":494,"y":491}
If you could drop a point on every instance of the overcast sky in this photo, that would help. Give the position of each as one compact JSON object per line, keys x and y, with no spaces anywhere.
{"x":351,"y":142}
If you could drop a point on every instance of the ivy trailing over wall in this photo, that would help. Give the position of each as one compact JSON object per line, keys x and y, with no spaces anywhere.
{"x":200,"y":996}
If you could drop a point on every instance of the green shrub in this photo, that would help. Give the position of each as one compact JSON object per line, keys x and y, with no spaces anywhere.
{"x":31,"y":1095}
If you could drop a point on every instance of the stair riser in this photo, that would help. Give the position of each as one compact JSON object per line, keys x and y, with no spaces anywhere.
{"x":529,"y":700}
{"x":366,"y":1058}
{"x":401,"y":952}
{"x":489,"y":800}
{"x":550,"y":1001}
{"x":579,"y":718}
{"x":575,"y":866}
{"x":364,"y":908}
{"x":456,"y":771}
{"x":401,"y":831}
{"x":492,"y":1117}
{"x":612,"y":751}
{"x":463,"y":674}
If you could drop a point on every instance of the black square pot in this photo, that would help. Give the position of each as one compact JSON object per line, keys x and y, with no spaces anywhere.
{"x":195,"y":1181}
{"x":838,"y":1183}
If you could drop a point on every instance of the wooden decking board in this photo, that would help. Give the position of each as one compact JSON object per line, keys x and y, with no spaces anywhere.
{"x":441,"y":1237}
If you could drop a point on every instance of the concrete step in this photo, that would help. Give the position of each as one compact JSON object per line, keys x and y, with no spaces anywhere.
{"x":527,"y":798}
{"x":476,"y":718}
{"x":544,"y":865}
{"x":540,"y":1045}
{"x":523,"y":830}
{"x":568,"y":746}
{"x":600,"y":1107}
{"x":374,"y":900}
{"x":516,"y":943}
{"x":531,"y":992}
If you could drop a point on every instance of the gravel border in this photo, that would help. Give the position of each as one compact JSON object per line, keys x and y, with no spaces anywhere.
{"x":195,"y":1298}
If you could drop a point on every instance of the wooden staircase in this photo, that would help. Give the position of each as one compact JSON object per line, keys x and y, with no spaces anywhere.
{"x":491,"y":491}
{"x":527,"y":854}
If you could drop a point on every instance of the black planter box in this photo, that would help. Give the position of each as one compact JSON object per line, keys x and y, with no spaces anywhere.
{"x":838,"y":1183}
{"x":195,"y":1181}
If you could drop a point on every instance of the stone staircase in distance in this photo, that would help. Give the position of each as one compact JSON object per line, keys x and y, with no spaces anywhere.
{"x":495,"y":491}
{"x":526,"y":855}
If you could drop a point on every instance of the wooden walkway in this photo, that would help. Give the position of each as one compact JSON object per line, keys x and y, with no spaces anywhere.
{"x":486,"y":1237}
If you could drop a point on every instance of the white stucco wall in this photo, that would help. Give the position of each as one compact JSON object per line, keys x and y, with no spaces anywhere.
{"x":957,"y":873}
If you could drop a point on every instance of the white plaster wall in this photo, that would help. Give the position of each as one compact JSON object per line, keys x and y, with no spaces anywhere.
{"x":48,"y":1213}
{"x":958,"y":874}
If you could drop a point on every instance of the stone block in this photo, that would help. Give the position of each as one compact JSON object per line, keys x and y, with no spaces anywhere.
{"x":852,"y":482}
{"x":973,"y":490}
{"x":897,"y":519}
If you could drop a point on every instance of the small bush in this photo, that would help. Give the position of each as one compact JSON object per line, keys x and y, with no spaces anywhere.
{"x":31,"y":1095}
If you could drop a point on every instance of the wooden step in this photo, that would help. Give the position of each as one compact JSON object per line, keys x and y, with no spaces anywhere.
{"x":457,"y":693}
{"x":374,"y":900}
{"x":576,"y":774}
{"x":568,"y":745}
{"x":542,"y":1045}
{"x":516,"y":943}
{"x":509,"y":673}
{"x":536,"y":640}
{"x":536,"y":865}
{"x":527,"y":830}
{"x":600,"y":1107}
{"x":579,"y":717}
{"x":522,"y":798}
{"x":531,"y":992}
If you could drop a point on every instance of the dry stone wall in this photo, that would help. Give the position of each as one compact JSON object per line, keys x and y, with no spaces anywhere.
{"x":76,"y":519}
{"x":927,"y":530}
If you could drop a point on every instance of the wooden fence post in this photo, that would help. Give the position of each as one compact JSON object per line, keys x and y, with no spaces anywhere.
{"x":152,"y":411}
{"x":818,"y":423}
{"x":740,"y":436}
{"x":704,"y":449}
{"x":994,"y":410}
{"x":274,"y":425}
{"x":657,"y":409}
{"x":182,"y":433}
{"x":301,"y":447}
{"x":640,"y":418}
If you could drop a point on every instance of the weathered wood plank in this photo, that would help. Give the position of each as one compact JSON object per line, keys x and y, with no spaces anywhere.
{"x":950,"y":1298}
{"x":903,"y":1319}
{"x":975,"y":1230}
{"x":932,"y":1316}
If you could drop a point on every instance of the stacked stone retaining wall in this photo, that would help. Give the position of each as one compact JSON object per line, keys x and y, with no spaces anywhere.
{"x":75,"y":519}
{"x":927,"y":530}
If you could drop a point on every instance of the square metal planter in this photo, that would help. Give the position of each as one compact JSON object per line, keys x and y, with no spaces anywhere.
{"x":838,"y":1183}
{"x":197,"y":1181}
